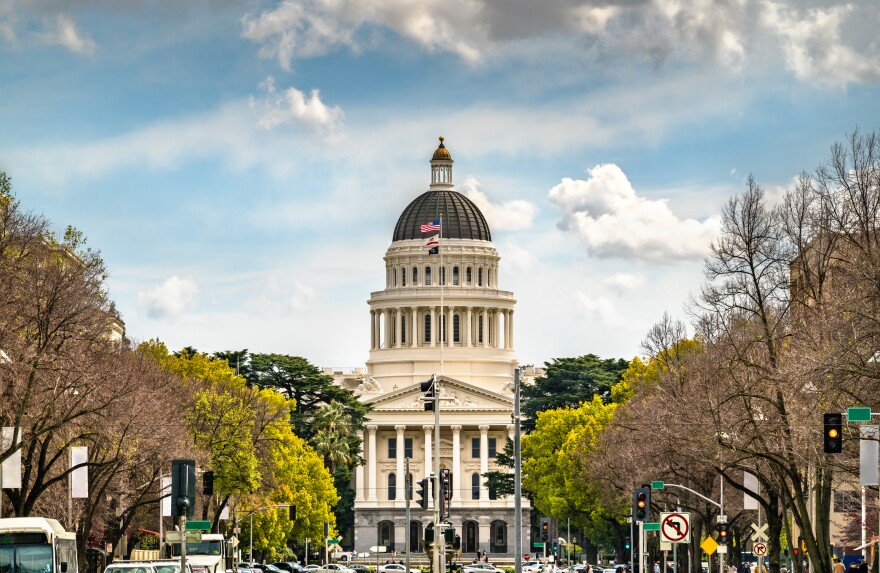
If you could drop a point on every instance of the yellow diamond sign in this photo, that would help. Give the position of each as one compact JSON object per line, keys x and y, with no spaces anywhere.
{"x":709,"y":545}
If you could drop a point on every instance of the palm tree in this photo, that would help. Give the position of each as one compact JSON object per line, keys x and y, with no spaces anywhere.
{"x":333,"y":428}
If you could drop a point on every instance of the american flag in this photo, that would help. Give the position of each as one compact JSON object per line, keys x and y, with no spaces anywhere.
{"x":432,"y":226}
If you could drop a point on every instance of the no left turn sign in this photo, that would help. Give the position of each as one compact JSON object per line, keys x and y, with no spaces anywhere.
{"x":675,"y":527}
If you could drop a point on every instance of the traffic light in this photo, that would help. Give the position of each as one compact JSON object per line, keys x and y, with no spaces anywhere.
{"x":183,"y":488}
{"x":292,"y":510}
{"x":449,"y":535}
{"x":456,"y":542}
{"x":429,"y":389}
{"x":833,"y":436}
{"x":429,"y":533}
{"x":545,"y":529}
{"x":555,"y":546}
{"x":641,"y":503}
{"x":208,"y":483}
{"x":722,"y":534}
{"x":422,"y":493}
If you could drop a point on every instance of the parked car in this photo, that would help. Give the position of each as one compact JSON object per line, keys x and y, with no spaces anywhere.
{"x":171,"y":566}
{"x":481,"y":568}
{"x":267,"y":568}
{"x":289,"y":566}
{"x":130,"y":567}
{"x":533,"y":567}
{"x":311,"y":568}
{"x":358,"y":568}
{"x":396,"y":568}
{"x":333,"y":568}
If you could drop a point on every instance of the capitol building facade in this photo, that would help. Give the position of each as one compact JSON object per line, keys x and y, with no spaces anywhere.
{"x":439,"y":314}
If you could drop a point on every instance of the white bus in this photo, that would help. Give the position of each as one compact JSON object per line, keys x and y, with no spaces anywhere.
{"x":36,"y":545}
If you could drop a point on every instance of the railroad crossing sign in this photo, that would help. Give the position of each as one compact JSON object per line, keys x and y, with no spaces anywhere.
{"x":675,"y":527}
{"x":759,"y":549}
{"x":760,"y":533}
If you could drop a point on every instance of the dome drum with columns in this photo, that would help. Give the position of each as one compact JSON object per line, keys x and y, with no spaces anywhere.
{"x":443,"y":315}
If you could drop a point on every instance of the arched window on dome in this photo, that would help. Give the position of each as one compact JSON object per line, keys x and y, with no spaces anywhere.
{"x":468,"y":276}
{"x":442,"y":275}
{"x":415,"y":280}
{"x":427,"y":328}
{"x":480,"y":329}
{"x":403,"y":276}
{"x":427,"y":276}
{"x":454,"y":276}
{"x":456,"y":328}
{"x":480,"y":277}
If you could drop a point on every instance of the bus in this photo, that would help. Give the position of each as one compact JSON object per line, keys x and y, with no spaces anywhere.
{"x":36,"y":545}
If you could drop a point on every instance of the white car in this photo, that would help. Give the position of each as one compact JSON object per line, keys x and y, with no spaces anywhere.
{"x":481,"y":568}
{"x":397,"y":568}
{"x":332,"y":568}
{"x":312,"y":567}
{"x":532,"y":567}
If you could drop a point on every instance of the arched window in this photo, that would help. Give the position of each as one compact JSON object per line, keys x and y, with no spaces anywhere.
{"x":471,"y":541}
{"x":386,"y":534}
{"x":480,"y":329}
{"x":427,"y":276}
{"x":394,"y":276}
{"x":415,"y":536}
{"x":467,"y":276}
{"x":442,"y":275}
{"x":498,"y":537}
{"x":392,"y":487}
{"x":454,"y":276}
{"x":427,"y":328}
{"x":488,"y":277}
{"x":475,"y":486}
{"x":403,"y":277}
{"x":479,"y":277}
{"x":415,"y":280}
{"x":456,"y":328}
{"x":403,"y":330}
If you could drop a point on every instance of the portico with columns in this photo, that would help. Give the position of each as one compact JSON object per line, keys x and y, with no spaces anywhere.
{"x":439,"y":314}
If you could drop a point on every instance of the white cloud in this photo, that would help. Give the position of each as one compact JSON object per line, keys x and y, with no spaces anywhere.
{"x":599,"y":309}
{"x":814,"y":48}
{"x":625,"y":281}
{"x":169,"y":299}
{"x":513,"y":215}
{"x":291,"y":106}
{"x":296,"y":28}
{"x":62,"y":30}
{"x":613,"y":221}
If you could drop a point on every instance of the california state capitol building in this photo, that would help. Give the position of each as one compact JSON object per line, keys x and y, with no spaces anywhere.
{"x":441,"y":314}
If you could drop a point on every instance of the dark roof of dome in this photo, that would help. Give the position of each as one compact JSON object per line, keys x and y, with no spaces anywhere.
{"x":461,"y":218}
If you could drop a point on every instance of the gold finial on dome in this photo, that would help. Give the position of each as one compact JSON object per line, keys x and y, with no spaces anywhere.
{"x":442,"y":152}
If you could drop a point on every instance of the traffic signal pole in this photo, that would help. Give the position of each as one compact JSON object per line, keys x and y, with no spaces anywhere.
{"x":407,"y":488}
{"x":439,"y":538}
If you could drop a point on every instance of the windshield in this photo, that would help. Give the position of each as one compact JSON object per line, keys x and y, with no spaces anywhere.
{"x":203,"y":548}
{"x":167,"y":568}
{"x":25,"y":558}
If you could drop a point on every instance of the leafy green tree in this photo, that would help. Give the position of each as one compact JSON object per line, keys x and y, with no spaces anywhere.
{"x":568,"y":382}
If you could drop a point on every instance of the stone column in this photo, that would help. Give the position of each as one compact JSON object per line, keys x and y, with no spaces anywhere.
{"x":468,"y":337}
{"x":414,"y":335}
{"x":372,"y":330}
{"x":401,"y":475}
{"x":484,"y":461}
{"x":485,"y":315}
{"x":456,"y":464}
{"x":374,"y":484}
{"x":497,"y":323}
{"x":399,"y":331}
{"x":359,"y":475}
{"x":510,"y":315}
{"x":433,"y":326}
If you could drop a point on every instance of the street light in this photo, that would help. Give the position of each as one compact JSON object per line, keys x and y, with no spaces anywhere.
{"x":251,"y":515}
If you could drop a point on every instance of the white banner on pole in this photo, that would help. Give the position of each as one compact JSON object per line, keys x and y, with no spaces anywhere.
{"x":751,"y":483}
{"x":166,"y":501}
{"x":225,"y":513}
{"x":79,"y":478}
{"x":868,"y":455}
{"x":10,"y":470}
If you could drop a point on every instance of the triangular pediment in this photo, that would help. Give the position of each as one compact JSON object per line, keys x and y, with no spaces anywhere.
{"x":463,"y":397}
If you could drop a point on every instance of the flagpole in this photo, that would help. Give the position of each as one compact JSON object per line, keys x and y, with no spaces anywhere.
{"x":443,"y":278}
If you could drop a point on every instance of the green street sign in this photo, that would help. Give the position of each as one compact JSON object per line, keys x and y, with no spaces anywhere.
{"x":537,"y":545}
{"x":332,"y":542}
{"x":657,"y":485}
{"x":198,"y":525}
{"x":651,"y":526}
{"x":858,"y":414}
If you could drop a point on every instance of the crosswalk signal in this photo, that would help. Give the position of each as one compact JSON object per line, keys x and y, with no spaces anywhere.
{"x":641,"y":503}
{"x":833,"y":433}
{"x":429,"y":390}
{"x":545,"y":529}
{"x":429,"y":533}
{"x":456,"y":542}
{"x":208,"y":483}
{"x":422,"y":493}
{"x":722,"y":534}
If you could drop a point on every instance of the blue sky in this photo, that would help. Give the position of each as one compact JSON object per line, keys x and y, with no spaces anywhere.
{"x":241,"y":164}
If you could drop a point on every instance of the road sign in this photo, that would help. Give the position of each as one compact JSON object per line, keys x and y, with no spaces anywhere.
{"x":657,"y":485}
{"x":537,"y":544}
{"x":651,"y":526}
{"x":760,"y":533}
{"x":174,"y":537}
{"x":675,"y":527}
{"x":858,"y":414}
{"x":709,"y":545}
{"x":759,"y":549}
{"x":527,"y":556}
{"x":722,"y":549}
{"x":332,"y":542}
{"x":378,"y":549}
{"x":198,"y":525}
